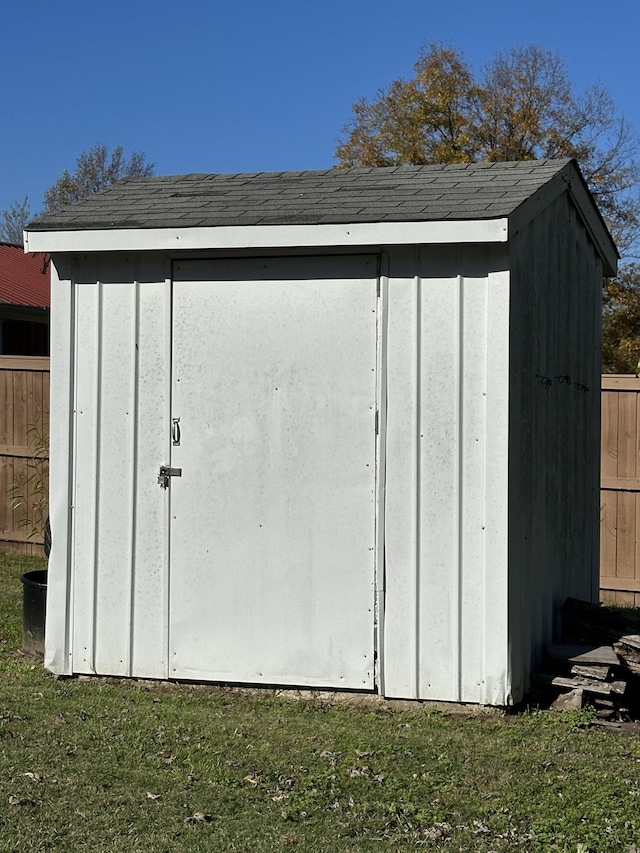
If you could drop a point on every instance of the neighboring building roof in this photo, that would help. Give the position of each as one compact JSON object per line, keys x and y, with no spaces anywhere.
{"x":25,"y":279}
{"x":474,"y":202}
{"x":395,"y":194}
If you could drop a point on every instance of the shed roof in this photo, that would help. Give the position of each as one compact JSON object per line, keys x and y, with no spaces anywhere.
{"x":332,"y":207}
{"x":24,"y":279}
{"x":394,"y":194}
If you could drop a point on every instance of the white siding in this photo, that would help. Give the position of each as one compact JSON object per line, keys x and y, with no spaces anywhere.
{"x":149,"y":634}
{"x":487,"y":507}
{"x":118,"y":540}
{"x":59,"y":604}
{"x":84,"y":496}
{"x":445,"y":554}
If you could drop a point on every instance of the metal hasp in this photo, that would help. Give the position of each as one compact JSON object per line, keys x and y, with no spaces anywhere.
{"x":166,"y":473}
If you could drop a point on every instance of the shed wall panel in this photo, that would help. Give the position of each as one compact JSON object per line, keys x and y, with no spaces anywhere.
{"x":59,"y":593}
{"x":474,"y":440}
{"x":437,"y":437}
{"x":115,"y":423}
{"x":445,"y":637}
{"x":401,"y":627}
{"x":149,"y":594}
{"x":85,"y":485}
{"x":496,"y":670}
{"x":119,"y":529}
{"x":554,"y":428}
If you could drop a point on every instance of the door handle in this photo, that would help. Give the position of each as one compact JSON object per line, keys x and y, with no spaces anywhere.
{"x":175,"y":432}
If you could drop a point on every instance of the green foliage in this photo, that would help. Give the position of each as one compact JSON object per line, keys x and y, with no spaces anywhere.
{"x":621,"y":322}
{"x":96,"y":169}
{"x":132,"y":766}
{"x":14,"y":220}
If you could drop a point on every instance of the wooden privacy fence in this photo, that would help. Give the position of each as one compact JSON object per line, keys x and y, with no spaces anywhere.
{"x":24,"y":423}
{"x":620,"y":491}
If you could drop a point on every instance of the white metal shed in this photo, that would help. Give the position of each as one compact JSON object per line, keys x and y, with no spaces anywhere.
{"x":325,"y":429}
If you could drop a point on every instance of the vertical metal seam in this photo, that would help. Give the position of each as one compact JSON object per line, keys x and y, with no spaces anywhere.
{"x":96,"y":526}
{"x":506,"y":421}
{"x":376,"y":499}
{"x":72,"y":466}
{"x":380,"y":562}
{"x":459,"y":483}
{"x":134,"y":478}
{"x":485,"y":481}
{"x":418,"y":451}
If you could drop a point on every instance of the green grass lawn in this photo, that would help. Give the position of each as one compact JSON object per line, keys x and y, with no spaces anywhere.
{"x":105,"y":764}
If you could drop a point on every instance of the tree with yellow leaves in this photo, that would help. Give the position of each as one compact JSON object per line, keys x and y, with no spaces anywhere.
{"x":521,"y":106}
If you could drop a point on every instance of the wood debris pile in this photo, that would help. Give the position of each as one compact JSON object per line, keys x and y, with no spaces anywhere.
{"x":597,"y":663}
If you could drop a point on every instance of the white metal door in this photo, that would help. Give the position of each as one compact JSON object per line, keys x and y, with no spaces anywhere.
{"x":273,"y":516}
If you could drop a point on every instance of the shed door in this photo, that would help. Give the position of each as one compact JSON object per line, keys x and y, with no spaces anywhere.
{"x":272,"y":520}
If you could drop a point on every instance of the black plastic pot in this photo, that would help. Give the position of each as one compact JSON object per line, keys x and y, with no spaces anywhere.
{"x":34,"y":607}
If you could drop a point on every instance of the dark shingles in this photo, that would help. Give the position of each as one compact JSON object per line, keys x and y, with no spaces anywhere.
{"x":395,"y":193}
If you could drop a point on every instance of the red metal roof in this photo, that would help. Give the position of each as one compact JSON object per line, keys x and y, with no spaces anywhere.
{"x":25,"y":279}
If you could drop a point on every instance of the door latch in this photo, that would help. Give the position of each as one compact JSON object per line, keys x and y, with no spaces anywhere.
{"x":165,"y":474}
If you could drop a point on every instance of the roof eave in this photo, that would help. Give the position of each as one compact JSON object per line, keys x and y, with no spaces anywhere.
{"x":269,"y":236}
{"x":594,"y":223}
{"x":23,"y":308}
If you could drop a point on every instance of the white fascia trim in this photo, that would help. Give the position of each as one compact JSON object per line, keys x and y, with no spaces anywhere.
{"x":269,"y":236}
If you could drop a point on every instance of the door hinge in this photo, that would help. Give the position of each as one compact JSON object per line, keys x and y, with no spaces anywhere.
{"x":166,"y":473}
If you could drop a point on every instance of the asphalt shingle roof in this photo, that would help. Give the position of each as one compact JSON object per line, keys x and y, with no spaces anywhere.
{"x":395,"y":194}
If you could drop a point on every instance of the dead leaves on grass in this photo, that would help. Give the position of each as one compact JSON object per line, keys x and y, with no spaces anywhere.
{"x":25,"y":801}
{"x":354,"y":772}
{"x":20,"y":801}
{"x":35,"y":777}
{"x":196,"y":817}
{"x":199,"y":817}
{"x":331,"y":757}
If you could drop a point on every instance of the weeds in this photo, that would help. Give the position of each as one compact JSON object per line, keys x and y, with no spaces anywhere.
{"x":30,"y":491}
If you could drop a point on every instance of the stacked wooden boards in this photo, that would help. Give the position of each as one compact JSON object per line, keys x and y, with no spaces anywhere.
{"x":597,"y":662}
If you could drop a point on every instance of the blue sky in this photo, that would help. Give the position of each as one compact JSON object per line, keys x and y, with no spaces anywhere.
{"x":255,"y":86}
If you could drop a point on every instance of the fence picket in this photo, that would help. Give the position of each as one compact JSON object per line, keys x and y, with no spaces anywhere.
{"x":620,"y":491}
{"x":24,"y":407}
